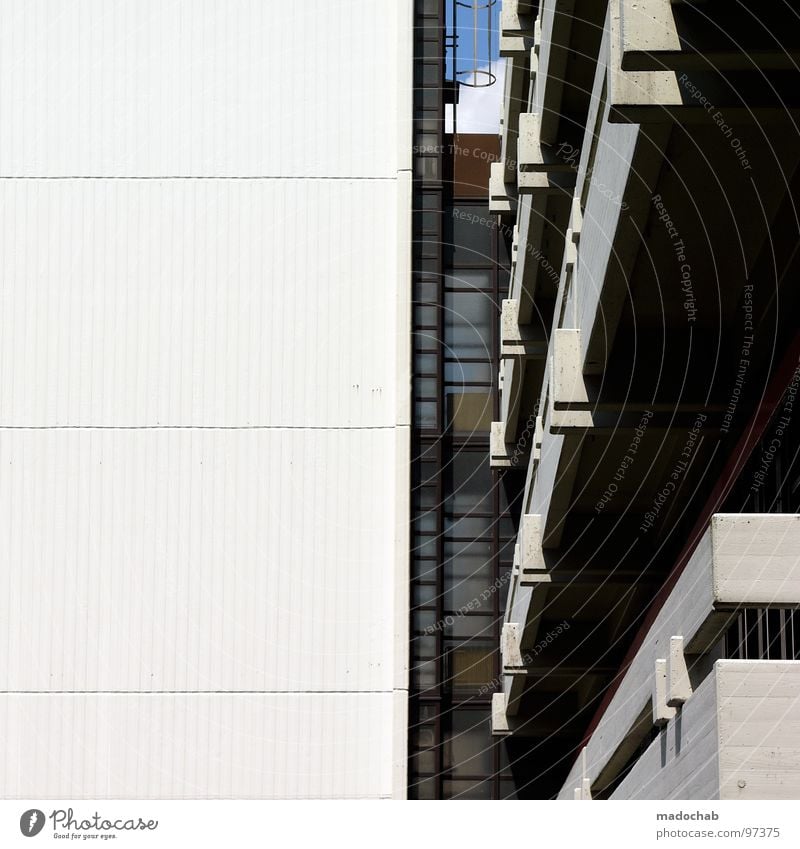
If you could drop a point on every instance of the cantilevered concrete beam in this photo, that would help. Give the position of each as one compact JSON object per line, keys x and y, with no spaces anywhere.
{"x":519,"y":341}
{"x":660,"y":35}
{"x":517,"y":18}
{"x":575,"y":392}
{"x":502,"y":195}
{"x":643,"y":97}
{"x":743,"y":560}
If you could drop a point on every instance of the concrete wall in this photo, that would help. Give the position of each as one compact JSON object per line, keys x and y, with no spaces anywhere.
{"x":204,"y":276}
{"x":742,"y":561}
{"x":736,"y":738}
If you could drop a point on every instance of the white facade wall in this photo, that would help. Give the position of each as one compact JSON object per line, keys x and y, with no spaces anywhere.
{"x":204,"y":424}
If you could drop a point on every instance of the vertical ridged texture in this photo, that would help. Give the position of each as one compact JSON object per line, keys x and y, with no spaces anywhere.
{"x":197,"y":302}
{"x":200,"y":497}
{"x":198,"y":88}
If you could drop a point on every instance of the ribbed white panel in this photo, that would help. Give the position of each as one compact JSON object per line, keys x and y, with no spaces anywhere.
{"x":200,"y":560}
{"x":172,"y":746}
{"x":199,"y":88}
{"x":198,"y":302}
{"x":203,"y":397}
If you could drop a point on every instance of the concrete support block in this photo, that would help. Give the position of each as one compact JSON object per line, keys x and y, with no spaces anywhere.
{"x":514,"y":46}
{"x":514,"y":20}
{"x":569,"y":387}
{"x":516,"y":342}
{"x":679,"y":687}
{"x":576,"y":222}
{"x":510,"y":649}
{"x":662,"y":712}
{"x":502,"y":197}
{"x":542,"y":183}
{"x":499,"y":719}
{"x":531,"y":557}
{"x":533,"y":155}
{"x":638,"y":95}
{"x":655,"y":36}
{"x":501,"y":453}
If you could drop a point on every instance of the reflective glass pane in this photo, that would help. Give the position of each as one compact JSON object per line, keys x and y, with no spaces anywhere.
{"x":468,"y":319}
{"x":470,"y":626}
{"x":423,"y":762}
{"x":425,"y":523}
{"x":425,"y":413}
{"x":424,"y":622}
{"x":425,"y":496}
{"x":425,"y":387}
{"x":427,"y":291}
{"x":468,"y":574}
{"x":468,"y":279}
{"x":426,"y":316}
{"x":468,"y":527}
{"x":468,"y":746}
{"x":507,"y":528}
{"x":462,"y":373}
{"x":423,"y":737}
{"x":425,"y":363}
{"x":423,"y":675}
{"x":424,"y":788}
{"x":423,"y":570}
{"x":470,"y":412}
{"x":471,"y":668}
{"x":429,"y":221}
{"x":508,"y":789}
{"x":423,"y":648}
{"x":470,"y":483}
{"x":471,"y":230}
{"x":424,"y":595}
{"x":427,"y":167}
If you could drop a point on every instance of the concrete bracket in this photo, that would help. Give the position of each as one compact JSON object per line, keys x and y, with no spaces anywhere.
{"x":583,"y":793}
{"x":500,"y":726}
{"x":514,"y":46}
{"x":502,"y":454}
{"x":535,"y":156}
{"x":502,"y":200}
{"x":662,"y":712}
{"x":570,"y":252}
{"x":510,"y":650}
{"x":530,"y":545}
{"x":679,"y":688}
{"x":569,"y":386}
{"x":576,"y":221}
{"x":514,"y":21}
{"x":520,"y":342}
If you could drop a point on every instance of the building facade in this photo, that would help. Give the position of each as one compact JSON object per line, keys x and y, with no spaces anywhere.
{"x":205,"y":219}
{"x":464,"y":519}
{"x":649,"y":155}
